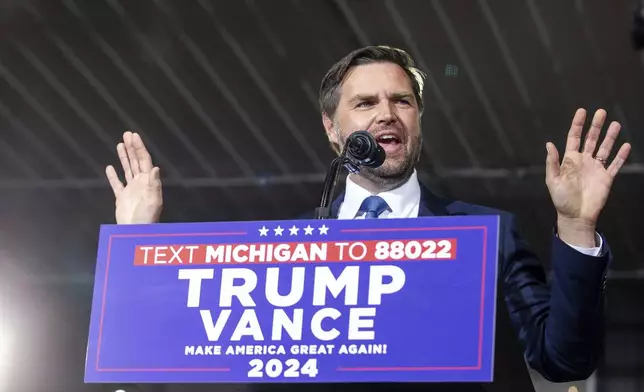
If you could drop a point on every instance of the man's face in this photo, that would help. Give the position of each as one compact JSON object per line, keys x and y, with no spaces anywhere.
{"x":378,"y":97}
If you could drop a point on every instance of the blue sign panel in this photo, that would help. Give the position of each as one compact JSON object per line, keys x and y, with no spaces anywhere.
{"x":387,"y":300}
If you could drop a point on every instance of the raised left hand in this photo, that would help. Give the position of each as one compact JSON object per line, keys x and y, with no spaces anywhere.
{"x":579,"y":187}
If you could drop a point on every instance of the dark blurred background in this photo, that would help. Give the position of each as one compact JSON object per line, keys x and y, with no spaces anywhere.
{"x":224,"y":94}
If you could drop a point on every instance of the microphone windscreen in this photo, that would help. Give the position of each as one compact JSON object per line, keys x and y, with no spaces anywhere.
{"x":364,"y":148}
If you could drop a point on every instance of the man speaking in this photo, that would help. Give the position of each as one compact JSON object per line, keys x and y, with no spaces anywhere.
{"x":556,"y":328}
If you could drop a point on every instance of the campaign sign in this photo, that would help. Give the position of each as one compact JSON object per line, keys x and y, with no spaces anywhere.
{"x":389,"y":300}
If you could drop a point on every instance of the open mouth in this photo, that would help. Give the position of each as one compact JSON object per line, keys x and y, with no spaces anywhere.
{"x":391,"y":140}
{"x":391,"y":143}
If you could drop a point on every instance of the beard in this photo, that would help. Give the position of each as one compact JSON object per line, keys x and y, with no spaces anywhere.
{"x":395,"y":170}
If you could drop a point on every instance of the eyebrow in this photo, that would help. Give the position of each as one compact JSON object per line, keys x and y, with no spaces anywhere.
{"x":371,"y":97}
{"x":402,"y":96}
{"x":362,"y":97}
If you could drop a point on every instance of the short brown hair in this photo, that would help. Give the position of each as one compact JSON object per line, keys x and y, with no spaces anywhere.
{"x":332,"y":81}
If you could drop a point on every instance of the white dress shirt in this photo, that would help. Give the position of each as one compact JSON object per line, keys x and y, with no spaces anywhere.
{"x":404,"y":202}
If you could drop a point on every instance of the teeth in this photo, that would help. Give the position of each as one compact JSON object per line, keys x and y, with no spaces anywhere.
{"x":388,"y":137}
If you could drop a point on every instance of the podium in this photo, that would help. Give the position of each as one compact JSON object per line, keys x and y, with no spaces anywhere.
{"x":296,"y":301}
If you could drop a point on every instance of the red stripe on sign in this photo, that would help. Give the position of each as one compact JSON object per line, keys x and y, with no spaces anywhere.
{"x":296,"y":252}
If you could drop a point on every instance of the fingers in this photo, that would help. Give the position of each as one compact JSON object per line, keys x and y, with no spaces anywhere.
{"x":574,"y":141}
{"x":574,"y":134}
{"x":142,"y":154}
{"x":131,"y":153}
{"x":593,"y":133}
{"x":552,"y":162}
{"x":134,"y":156}
{"x":125,"y":161}
{"x":115,"y":183}
{"x":607,"y":145}
{"x":155,"y":177}
{"x":620,"y":158}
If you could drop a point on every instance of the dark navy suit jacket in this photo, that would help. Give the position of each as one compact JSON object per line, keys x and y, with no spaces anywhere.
{"x":556,"y":327}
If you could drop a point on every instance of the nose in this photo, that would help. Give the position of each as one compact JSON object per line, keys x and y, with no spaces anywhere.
{"x":385,"y":114}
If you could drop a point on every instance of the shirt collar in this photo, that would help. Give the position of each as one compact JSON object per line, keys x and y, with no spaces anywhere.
{"x":401,"y":200}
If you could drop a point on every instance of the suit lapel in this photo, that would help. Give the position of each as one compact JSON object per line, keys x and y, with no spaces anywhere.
{"x":335,"y":206}
{"x":423,"y":210}
{"x":430,"y":204}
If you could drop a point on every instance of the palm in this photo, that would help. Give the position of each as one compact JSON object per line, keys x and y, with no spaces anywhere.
{"x":139,"y":201}
{"x":579,"y":187}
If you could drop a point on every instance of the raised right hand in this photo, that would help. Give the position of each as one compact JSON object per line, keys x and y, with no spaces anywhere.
{"x":140,"y":201}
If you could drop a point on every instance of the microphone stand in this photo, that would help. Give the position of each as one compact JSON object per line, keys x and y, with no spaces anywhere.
{"x":331,"y":180}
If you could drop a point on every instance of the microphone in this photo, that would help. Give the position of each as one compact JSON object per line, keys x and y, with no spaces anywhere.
{"x":360,"y":149}
{"x":364,"y":149}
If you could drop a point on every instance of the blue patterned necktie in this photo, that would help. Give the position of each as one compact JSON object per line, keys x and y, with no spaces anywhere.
{"x":374,"y":206}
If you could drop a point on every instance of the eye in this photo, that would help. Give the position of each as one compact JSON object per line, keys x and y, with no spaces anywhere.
{"x":363,"y":104}
{"x":404,"y":101}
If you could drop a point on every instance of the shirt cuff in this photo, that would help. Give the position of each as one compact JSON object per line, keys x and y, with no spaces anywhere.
{"x":590,"y":251}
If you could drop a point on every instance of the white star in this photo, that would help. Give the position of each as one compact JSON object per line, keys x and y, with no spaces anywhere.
{"x":323,"y":229}
{"x":308,"y":230}
{"x":263,"y":231}
{"x":279,"y":230}
{"x":294,"y":230}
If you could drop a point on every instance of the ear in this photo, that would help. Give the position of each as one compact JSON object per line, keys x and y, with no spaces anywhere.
{"x":328,"y":127}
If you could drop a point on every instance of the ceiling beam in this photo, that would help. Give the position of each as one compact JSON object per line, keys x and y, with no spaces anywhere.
{"x":290,"y":179}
